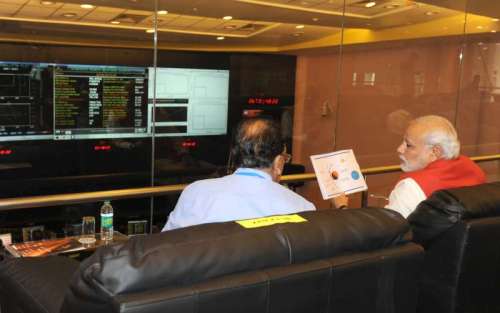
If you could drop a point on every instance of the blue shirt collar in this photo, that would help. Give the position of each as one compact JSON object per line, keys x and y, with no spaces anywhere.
{"x":245,"y":171}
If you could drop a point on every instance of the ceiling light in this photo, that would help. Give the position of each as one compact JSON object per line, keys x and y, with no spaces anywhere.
{"x":479,"y":27}
{"x":229,"y":26}
{"x":495,"y":20}
{"x":429,"y":13}
{"x":370,"y":4}
{"x":150,"y":31}
{"x":86,"y":6}
{"x":115,"y":22}
{"x":220,"y":38}
{"x":493,"y":31}
{"x":315,"y":19}
{"x":162,"y":12}
{"x":46,"y":2}
{"x":69,"y":15}
{"x":299,"y":26}
{"x":227,"y":18}
{"x":297,"y":34}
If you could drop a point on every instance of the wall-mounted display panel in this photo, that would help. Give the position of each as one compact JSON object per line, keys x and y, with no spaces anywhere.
{"x":189,"y":102}
{"x":40,"y":101}
{"x":24,"y":112}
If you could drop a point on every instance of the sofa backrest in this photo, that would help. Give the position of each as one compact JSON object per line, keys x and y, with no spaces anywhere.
{"x":334,"y":257}
{"x":460,"y":229}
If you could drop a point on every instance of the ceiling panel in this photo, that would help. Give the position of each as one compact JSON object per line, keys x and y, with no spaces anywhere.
{"x":8,"y":9}
{"x":207,"y":24}
{"x":255,"y":24}
{"x":103,"y":15}
{"x":34,"y":12}
{"x":183,"y":21}
{"x":13,"y":2}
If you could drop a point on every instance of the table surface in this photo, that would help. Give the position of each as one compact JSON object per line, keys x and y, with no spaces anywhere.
{"x":60,"y":246}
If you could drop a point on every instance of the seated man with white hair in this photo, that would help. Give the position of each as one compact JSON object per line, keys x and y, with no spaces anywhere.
{"x":430,"y":157}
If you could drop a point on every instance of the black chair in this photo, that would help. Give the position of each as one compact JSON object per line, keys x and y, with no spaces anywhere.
{"x":460,"y":229}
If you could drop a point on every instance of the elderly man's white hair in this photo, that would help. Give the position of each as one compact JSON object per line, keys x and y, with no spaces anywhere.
{"x":440,"y":132}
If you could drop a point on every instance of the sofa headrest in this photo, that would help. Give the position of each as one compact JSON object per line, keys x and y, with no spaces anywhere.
{"x":193,"y":254}
{"x":479,"y":201}
{"x":445,"y":208}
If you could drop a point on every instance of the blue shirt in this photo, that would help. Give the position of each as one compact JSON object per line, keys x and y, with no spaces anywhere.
{"x":247,"y":193}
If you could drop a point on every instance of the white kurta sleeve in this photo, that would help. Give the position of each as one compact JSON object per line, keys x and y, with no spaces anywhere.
{"x":405,"y":197}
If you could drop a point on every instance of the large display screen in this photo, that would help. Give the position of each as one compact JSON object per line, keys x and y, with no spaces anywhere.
{"x":189,"y":102}
{"x":69,"y":101}
{"x":99,"y":102}
{"x":25,"y":101}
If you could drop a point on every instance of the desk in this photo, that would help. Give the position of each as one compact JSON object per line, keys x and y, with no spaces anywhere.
{"x":61,"y":246}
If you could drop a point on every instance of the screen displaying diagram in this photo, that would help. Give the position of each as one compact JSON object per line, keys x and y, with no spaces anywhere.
{"x":189,"y":102}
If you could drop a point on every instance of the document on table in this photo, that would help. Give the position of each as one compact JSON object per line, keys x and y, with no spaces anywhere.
{"x":338,"y":172}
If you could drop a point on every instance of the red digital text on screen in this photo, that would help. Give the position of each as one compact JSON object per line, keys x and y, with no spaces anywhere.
{"x":102,"y":148}
{"x":189,"y":144}
{"x":263,"y":101}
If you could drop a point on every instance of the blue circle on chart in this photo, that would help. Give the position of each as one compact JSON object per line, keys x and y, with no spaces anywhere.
{"x":355,"y":175}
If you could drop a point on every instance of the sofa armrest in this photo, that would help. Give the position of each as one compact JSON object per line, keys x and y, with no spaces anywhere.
{"x":35,"y":284}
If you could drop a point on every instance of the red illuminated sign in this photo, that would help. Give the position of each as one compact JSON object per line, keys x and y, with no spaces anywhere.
{"x":102,"y":148}
{"x":5,"y":152}
{"x":263,"y":101}
{"x":189,"y":144}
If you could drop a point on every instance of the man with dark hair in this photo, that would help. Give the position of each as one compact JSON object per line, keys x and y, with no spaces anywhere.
{"x":252,"y":191}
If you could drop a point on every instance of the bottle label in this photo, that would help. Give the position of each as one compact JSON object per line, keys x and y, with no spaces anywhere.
{"x":107,"y":220}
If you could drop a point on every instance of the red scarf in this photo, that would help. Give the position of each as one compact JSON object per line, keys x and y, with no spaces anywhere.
{"x":444,"y":174}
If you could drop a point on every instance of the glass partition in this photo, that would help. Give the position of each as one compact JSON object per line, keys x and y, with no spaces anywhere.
{"x":409,"y":66}
{"x":400,"y":60}
{"x":73,"y":107}
{"x":479,"y":95}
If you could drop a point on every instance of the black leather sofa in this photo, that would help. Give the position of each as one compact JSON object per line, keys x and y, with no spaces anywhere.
{"x":460,"y":230}
{"x":338,"y":261}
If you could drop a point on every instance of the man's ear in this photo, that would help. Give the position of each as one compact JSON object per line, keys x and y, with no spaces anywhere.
{"x":277,"y":167}
{"x":437,"y":151}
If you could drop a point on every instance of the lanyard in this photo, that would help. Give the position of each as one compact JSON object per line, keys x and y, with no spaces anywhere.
{"x":242,"y":173}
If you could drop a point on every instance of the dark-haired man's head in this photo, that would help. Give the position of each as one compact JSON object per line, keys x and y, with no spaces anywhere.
{"x":258,"y":144}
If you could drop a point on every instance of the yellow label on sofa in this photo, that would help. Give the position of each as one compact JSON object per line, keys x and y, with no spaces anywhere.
{"x":271,"y":220}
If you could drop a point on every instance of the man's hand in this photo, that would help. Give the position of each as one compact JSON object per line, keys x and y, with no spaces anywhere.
{"x":340,"y":202}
